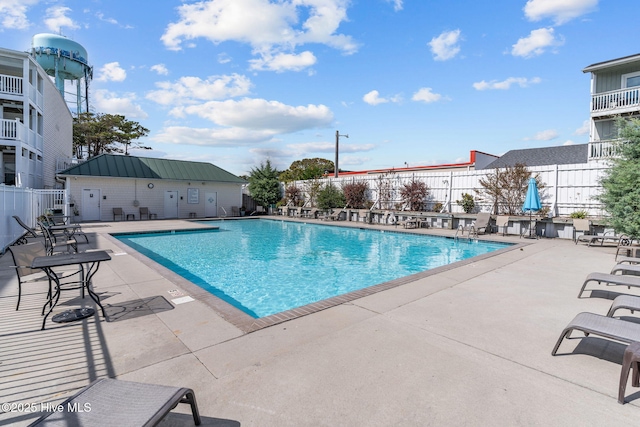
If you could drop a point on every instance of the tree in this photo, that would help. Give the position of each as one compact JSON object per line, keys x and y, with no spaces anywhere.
{"x":293,"y":195}
{"x":264,"y":184}
{"x":414,"y":193}
{"x":330,"y":197}
{"x":355,"y":194}
{"x":95,"y":134}
{"x":506,"y":188}
{"x":620,"y":190}
{"x":305,"y":169}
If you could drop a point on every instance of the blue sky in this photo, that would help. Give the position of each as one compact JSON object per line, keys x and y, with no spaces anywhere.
{"x":236,"y":82}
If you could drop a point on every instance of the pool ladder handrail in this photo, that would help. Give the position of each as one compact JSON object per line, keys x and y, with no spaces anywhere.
{"x":225,"y":212}
{"x":472,"y":232}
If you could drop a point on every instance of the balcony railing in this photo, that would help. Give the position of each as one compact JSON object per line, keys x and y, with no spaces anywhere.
{"x":616,"y":101}
{"x":63,"y":164}
{"x":605,"y":149}
{"x":10,"y":84}
{"x":10,"y":129}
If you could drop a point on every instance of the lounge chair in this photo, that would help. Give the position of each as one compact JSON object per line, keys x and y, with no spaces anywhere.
{"x":117,"y":403}
{"x":502,"y":221}
{"x":482,"y":222}
{"x":74,"y":229}
{"x":145,"y":212}
{"x":582,"y":226}
{"x":118,"y":212}
{"x":628,"y":302}
{"x":410,"y":223}
{"x":313,"y":213}
{"x":608,"y":327}
{"x":612,"y":279}
{"x":628,"y":260}
{"x":630,"y":269}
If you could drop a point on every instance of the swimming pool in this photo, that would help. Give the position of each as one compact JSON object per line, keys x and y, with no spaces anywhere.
{"x":268,"y":266}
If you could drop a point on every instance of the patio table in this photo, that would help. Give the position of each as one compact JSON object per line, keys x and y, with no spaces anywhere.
{"x":92,"y":261}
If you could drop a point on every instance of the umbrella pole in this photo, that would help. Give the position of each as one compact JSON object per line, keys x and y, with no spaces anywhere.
{"x":530,"y":224}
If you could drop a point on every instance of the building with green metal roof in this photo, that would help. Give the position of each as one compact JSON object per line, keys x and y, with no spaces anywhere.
{"x":168,"y":188}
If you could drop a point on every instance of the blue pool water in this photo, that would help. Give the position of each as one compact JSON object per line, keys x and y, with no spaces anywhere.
{"x":265,"y":266}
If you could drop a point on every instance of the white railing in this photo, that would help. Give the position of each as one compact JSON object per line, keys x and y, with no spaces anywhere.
{"x":27,"y":204}
{"x":604,"y":149}
{"x":10,"y":84}
{"x":63,"y":164}
{"x":615,"y":101}
{"x":10,"y":129}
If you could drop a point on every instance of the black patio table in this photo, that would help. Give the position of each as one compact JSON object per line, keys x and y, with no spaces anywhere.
{"x":92,"y":261}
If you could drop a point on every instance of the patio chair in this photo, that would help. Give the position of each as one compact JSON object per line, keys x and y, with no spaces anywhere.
{"x":628,"y":302}
{"x":483,"y":222}
{"x":30,"y":232}
{"x":23,"y":256}
{"x":612,"y":279}
{"x":313,"y":213}
{"x":118,"y":403}
{"x":118,"y":212}
{"x":627,"y":269}
{"x":502,"y":221}
{"x":51,"y":243}
{"x":607,"y":327}
{"x":75,"y":227}
{"x":145,"y":212}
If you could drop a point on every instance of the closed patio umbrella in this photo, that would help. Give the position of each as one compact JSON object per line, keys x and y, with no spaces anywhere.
{"x":532,"y":200}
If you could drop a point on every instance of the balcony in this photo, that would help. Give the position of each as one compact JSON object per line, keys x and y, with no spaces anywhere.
{"x":616,"y":102}
{"x":599,"y":150}
{"x":10,"y":84}
{"x":11,"y":129}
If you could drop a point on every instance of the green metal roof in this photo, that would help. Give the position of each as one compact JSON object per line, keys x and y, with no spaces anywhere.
{"x":117,"y":166}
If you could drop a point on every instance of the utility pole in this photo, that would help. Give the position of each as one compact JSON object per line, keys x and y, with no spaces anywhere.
{"x":335,"y":174}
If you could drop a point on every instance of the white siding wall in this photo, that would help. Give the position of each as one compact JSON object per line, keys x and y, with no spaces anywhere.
{"x":122,"y":192}
{"x":58,"y":130}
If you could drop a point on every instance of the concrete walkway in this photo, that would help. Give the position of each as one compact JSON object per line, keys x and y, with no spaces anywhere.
{"x":467,"y":346}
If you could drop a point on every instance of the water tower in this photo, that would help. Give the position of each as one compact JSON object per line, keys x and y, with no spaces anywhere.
{"x":65,"y":60}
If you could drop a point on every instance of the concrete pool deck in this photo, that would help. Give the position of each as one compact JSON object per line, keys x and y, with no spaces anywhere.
{"x":469,"y":345}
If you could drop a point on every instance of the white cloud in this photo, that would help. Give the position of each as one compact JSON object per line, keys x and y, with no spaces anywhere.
{"x":260,"y":114}
{"x":160,"y":69}
{"x":545,"y":135}
{"x":189,"y":90}
{"x":373,"y":98}
{"x":14,"y":13}
{"x":568,"y":142}
{"x":506,"y":84}
{"x":536,"y":43}
{"x":584,"y":129}
{"x":397,"y":4}
{"x":101,"y":17}
{"x":272,"y":29}
{"x":426,"y":95}
{"x":112,"y":72}
{"x":560,"y":11}
{"x":110,"y":103}
{"x":223,"y":58}
{"x":211,"y":137}
{"x":56,"y":19}
{"x":283,"y":62}
{"x":445,"y":46}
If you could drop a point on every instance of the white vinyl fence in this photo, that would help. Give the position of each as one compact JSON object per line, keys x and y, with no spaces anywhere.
{"x":27,"y":204}
{"x":568,"y":188}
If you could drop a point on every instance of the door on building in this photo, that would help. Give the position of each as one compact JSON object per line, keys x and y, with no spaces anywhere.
{"x":210,"y":204}
{"x":90,"y":205}
{"x":171,"y":204}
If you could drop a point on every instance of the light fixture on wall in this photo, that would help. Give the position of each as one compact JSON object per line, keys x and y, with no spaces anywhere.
{"x":150,"y":185}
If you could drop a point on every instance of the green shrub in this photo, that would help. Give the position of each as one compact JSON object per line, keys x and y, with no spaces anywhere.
{"x":582,"y":214}
{"x":467,"y":203}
